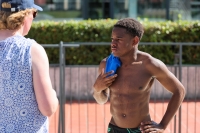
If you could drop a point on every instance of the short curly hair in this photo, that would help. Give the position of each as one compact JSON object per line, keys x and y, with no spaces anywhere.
{"x":132,"y":26}
{"x":13,"y":21}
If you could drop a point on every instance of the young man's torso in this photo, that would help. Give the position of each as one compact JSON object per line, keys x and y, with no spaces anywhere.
{"x":129,"y":95}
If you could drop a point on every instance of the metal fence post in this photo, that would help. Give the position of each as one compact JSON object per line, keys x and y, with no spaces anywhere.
{"x":61,"y":128}
{"x":63,"y":97}
{"x":180,"y":79}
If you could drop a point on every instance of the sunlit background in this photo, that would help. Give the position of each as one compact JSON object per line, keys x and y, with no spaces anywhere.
{"x":157,"y":10}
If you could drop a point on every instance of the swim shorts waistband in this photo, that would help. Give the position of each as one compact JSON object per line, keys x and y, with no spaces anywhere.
{"x":115,"y":129}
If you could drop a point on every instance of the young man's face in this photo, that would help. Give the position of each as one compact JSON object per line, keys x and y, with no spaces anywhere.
{"x":121,"y":41}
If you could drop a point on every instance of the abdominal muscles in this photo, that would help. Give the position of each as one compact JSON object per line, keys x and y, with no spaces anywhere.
{"x":129,"y":109}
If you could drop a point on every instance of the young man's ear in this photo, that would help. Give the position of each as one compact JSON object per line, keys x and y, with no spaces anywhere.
{"x":135,"y":40}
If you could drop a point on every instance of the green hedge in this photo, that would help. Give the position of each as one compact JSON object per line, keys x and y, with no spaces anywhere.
{"x":49,"y":32}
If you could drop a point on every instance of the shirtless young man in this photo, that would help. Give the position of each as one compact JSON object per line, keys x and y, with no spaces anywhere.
{"x":129,"y":88}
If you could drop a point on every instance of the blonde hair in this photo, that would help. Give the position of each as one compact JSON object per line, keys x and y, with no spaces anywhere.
{"x":13,"y":21}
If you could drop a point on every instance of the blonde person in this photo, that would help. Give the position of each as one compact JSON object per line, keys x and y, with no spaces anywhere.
{"x":127,"y":81}
{"x":27,"y":98}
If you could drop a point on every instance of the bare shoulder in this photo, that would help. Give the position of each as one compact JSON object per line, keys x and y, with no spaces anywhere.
{"x":39,"y":56}
{"x":102,"y":64}
{"x":152,"y":64}
{"x":37,"y":48}
{"x":151,"y":61}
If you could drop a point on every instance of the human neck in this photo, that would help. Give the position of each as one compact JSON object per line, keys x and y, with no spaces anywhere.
{"x":130,"y":57}
{"x":8,"y":33}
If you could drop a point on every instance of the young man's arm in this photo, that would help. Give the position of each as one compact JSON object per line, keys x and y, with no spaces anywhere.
{"x":101,"y":97}
{"x":102,"y":83}
{"x":172,"y":84}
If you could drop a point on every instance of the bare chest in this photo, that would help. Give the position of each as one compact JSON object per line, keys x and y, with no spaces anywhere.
{"x":134,"y":79}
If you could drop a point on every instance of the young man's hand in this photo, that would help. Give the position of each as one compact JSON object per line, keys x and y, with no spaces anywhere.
{"x":103,"y":81}
{"x":151,"y":127}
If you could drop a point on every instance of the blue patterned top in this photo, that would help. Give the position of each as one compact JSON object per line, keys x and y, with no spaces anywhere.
{"x":19,"y":111}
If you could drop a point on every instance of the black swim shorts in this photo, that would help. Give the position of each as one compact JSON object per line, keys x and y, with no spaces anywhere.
{"x":116,"y":129}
